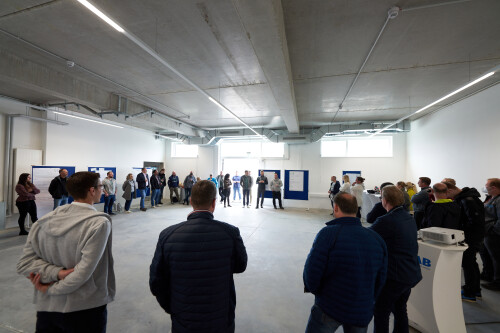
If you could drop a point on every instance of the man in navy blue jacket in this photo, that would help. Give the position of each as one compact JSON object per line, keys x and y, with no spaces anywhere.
{"x":192,"y":270}
{"x":345,"y":271}
{"x":399,"y":231}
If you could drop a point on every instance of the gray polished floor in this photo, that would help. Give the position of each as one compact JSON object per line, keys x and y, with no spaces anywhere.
{"x":270,"y":294}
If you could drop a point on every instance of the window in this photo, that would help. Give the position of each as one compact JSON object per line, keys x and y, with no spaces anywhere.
{"x":270,"y":149}
{"x":333,"y":148}
{"x":252,"y":149}
{"x":182,"y":150}
{"x":359,"y":147}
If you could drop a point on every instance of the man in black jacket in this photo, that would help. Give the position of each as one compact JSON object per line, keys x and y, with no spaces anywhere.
{"x":334,"y":189}
{"x":163,"y":180}
{"x":261,"y":190}
{"x":472,"y":223}
{"x":378,"y":210}
{"x":142,"y":180}
{"x":443,"y":212}
{"x":57,"y":189}
{"x":192,"y":270}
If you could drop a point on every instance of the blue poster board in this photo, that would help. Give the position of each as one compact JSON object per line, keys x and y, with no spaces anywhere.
{"x":290,"y":193}
{"x":352,"y":175}
{"x":103,"y":172}
{"x":270,"y":176}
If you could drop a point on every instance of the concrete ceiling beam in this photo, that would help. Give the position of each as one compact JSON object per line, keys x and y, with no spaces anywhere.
{"x":268,"y":38}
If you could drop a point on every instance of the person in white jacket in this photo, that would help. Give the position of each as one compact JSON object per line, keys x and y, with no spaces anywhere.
{"x":346,"y":187}
{"x":357,"y":189}
{"x":68,"y":258}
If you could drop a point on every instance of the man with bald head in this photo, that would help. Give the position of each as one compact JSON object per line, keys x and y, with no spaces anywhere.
{"x":443,"y":212}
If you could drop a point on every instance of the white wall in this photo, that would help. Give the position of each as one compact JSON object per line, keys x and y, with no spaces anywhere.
{"x":83,"y":144}
{"x":460,"y":142}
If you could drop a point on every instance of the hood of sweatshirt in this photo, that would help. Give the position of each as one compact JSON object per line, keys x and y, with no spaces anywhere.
{"x":66,"y":217}
{"x":468,"y":192}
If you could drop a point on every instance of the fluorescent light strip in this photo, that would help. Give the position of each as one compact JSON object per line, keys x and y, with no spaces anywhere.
{"x":439,"y":100}
{"x":103,"y":16}
{"x":155,"y":55}
{"x":457,"y":91}
{"x":94,"y":121}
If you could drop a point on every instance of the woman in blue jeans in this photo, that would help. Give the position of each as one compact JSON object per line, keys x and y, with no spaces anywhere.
{"x":129,"y":192}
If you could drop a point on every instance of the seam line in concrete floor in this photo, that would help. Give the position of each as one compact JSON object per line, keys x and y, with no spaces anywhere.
{"x":10,"y":328}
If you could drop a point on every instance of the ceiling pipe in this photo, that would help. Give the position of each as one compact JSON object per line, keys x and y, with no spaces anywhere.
{"x":434,"y":5}
{"x":71,"y":64}
{"x":391,"y":14}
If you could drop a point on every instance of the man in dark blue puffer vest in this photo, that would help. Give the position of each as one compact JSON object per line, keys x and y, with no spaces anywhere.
{"x":192,"y":270}
{"x":345,"y":271}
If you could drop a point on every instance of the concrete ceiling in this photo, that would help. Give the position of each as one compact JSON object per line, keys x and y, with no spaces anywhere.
{"x":275,"y":64}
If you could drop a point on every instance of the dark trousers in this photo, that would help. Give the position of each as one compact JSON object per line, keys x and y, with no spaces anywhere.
{"x":221,"y":193}
{"x":85,"y":321}
{"x":227,"y":193}
{"x":471,"y":270}
{"x":277,"y":195}
{"x":392,"y":298}
{"x":246,"y":195}
{"x":161,"y":195}
{"x":260,"y":194}
{"x":487,"y":262}
{"x":25,"y":208}
{"x":492,"y":244}
{"x":187,"y":194}
{"x":108,"y":203}
{"x":419,"y":218}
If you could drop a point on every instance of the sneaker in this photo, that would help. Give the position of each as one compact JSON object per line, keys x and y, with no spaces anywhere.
{"x":282,"y":208}
{"x":479,"y":295}
{"x":467,"y":298}
{"x":144,"y":209}
{"x":275,"y":208}
{"x":128,"y":211}
{"x":495,"y":286}
{"x":257,"y":207}
{"x":112,"y":213}
{"x":261,"y":206}
{"x":160,"y":204}
{"x":229,"y":205}
{"x":248,"y":206}
{"x":153,"y":207}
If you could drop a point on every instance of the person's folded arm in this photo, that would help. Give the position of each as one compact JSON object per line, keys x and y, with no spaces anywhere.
{"x":31,"y":262}
{"x":91,"y":255}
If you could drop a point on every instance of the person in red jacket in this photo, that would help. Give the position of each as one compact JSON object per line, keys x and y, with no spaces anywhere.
{"x":25,"y":202}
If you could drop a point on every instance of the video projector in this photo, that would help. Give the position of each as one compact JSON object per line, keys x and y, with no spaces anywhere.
{"x":442,"y":235}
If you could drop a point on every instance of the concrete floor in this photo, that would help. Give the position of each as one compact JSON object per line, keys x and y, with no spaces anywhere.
{"x":270,"y":294}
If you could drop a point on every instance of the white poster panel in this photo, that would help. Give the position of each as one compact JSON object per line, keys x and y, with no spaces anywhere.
{"x":270,"y":176}
{"x":296,"y":181}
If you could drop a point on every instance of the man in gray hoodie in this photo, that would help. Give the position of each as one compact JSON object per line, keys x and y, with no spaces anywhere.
{"x":67,"y":257}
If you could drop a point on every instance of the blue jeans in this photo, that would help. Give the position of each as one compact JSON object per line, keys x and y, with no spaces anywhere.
{"x":236,"y":190}
{"x":319,"y":322}
{"x":142,"y":193}
{"x":187,"y":193}
{"x":60,"y":202}
{"x":155,"y":195}
{"x":127,"y":204}
{"x":108,"y":203}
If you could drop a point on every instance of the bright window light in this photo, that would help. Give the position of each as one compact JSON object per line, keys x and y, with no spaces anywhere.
{"x":378,"y":147}
{"x":96,"y":11}
{"x":182,"y":150}
{"x":271,"y":149}
{"x":240,"y":149}
{"x":333,"y":148}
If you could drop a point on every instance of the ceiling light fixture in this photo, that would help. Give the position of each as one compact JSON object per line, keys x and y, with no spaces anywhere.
{"x":94,"y":121}
{"x":470,"y":84}
{"x":155,"y":55}
{"x":103,"y":16}
{"x":456,"y":91}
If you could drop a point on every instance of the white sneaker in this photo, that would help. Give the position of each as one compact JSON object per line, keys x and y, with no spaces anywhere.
{"x":159,"y":204}
{"x":128,"y":211}
{"x":153,"y":207}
